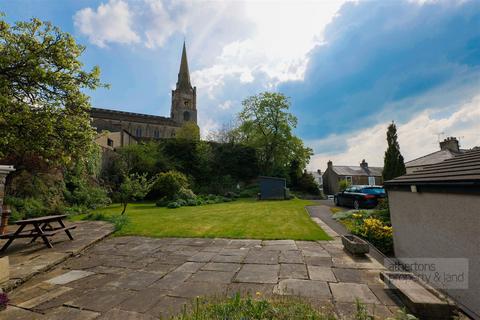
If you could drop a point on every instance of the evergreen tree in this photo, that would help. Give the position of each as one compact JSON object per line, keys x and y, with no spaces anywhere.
{"x":393,"y":165}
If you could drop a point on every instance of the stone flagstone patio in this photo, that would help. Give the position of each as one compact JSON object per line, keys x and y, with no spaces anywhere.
{"x":29,"y":259}
{"x":147,"y":278}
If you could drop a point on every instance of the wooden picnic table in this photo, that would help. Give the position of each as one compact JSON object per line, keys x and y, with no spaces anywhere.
{"x":43,"y":227}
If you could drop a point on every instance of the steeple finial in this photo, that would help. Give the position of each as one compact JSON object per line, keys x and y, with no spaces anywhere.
{"x":184,"y":75}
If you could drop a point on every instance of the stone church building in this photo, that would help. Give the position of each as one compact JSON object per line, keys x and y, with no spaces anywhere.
{"x":120,"y":128}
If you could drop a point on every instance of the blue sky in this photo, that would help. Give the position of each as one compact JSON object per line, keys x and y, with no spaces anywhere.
{"x":349,"y":67}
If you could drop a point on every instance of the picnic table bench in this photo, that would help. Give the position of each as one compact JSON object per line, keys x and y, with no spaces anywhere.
{"x":43,"y":227}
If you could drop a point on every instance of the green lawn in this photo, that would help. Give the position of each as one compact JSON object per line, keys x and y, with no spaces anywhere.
{"x":239,"y":219}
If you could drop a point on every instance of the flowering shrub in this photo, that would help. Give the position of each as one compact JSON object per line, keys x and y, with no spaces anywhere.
{"x":372,"y":225}
{"x":378,"y":233}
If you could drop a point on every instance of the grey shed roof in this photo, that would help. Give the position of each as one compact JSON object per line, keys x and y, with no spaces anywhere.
{"x":461,"y":169}
{"x":357,"y":171}
{"x":435,"y":157}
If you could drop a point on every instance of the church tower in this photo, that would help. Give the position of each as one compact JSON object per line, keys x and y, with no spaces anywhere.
{"x":184,"y":97}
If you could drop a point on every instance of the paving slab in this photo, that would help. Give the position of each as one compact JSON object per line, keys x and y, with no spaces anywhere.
{"x":219,"y":266}
{"x":101,"y":299}
{"x":70,"y":277}
{"x":136,"y":280}
{"x":14,"y":313}
{"x":191,"y":289}
{"x":43,"y":298}
{"x":351,"y":292}
{"x":190,"y":267}
{"x":117,"y":314}
{"x":171,"y":280}
{"x":303,"y":288}
{"x":262,"y":256}
{"x":142,"y":300}
{"x":212,"y":276}
{"x":167,"y":307}
{"x":291,"y":256}
{"x":202,"y":257}
{"x":358,"y":275}
{"x":65,"y":313}
{"x":258,"y":273}
{"x":321,"y":273}
{"x":293,"y":271}
{"x":228,"y":258}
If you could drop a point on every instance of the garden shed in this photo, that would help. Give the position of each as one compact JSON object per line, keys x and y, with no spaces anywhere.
{"x":435,"y":215}
{"x":272,"y":188}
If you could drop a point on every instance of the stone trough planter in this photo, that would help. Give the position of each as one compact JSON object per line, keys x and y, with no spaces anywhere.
{"x":355,"y":245}
{"x":419,"y":297}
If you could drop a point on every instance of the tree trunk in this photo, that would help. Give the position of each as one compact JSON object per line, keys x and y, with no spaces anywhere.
{"x":124,"y":207}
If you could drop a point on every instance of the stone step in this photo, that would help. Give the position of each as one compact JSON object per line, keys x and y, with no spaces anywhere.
{"x":421,"y":299}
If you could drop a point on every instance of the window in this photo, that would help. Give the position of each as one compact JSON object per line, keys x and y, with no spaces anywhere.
{"x":156,"y":134}
{"x":349,"y":179}
{"x":186,"y":116}
{"x":109,"y":142}
{"x":371,"y":181}
{"x":186,"y":103}
{"x":138,"y":132}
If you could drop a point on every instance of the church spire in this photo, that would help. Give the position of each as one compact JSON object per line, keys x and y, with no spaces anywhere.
{"x":183,"y":74}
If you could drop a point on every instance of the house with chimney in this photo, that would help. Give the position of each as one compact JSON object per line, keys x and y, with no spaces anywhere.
{"x":449,"y":148}
{"x":357,"y":175}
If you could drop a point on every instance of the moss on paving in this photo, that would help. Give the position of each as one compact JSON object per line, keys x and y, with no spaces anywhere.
{"x":249,"y":219}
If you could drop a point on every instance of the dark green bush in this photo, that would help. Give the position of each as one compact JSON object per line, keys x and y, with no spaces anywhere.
{"x":169,"y":184}
{"x":192,"y":202}
{"x":173,"y":205}
{"x":162,"y":202}
{"x":26,"y":208}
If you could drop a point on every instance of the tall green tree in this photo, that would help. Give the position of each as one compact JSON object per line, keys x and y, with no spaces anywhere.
{"x":393,"y":165}
{"x":43,"y":107}
{"x":266,"y":125}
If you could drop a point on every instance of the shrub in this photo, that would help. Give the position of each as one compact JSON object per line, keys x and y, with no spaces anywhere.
{"x":231,"y":195}
{"x":181,"y":202}
{"x":162,"y":202}
{"x":26,"y":208}
{"x":344,"y":184}
{"x":249,"y":192}
{"x":192,"y":202}
{"x":169,"y":184}
{"x":378,"y":233}
{"x":173,"y":205}
{"x":185,"y":194}
{"x":89,"y":196}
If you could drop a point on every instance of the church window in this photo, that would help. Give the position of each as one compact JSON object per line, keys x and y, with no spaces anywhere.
{"x":138,"y":132}
{"x":156,"y":134}
{"x":186,"y":116}
{"x":186,"y":103}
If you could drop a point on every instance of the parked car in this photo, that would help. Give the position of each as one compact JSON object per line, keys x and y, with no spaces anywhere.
{"x":360,"y":196}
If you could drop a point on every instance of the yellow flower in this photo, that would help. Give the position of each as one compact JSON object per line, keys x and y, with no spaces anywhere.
{"x":258,"y":293}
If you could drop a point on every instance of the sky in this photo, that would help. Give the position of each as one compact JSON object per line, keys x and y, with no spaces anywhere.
{"x":348,"y":67}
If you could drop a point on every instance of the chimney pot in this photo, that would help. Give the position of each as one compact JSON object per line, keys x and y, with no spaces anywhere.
{"x":450,"y":143}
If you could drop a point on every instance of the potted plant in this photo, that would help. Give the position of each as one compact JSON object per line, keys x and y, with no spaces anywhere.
{"x":355,"y":245}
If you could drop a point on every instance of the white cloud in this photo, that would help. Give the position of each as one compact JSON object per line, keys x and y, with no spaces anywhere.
{"x":417,"y":137}
{"x":111,"y":22}
{"x":284,"y":32}
{"x":225,"y":105}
